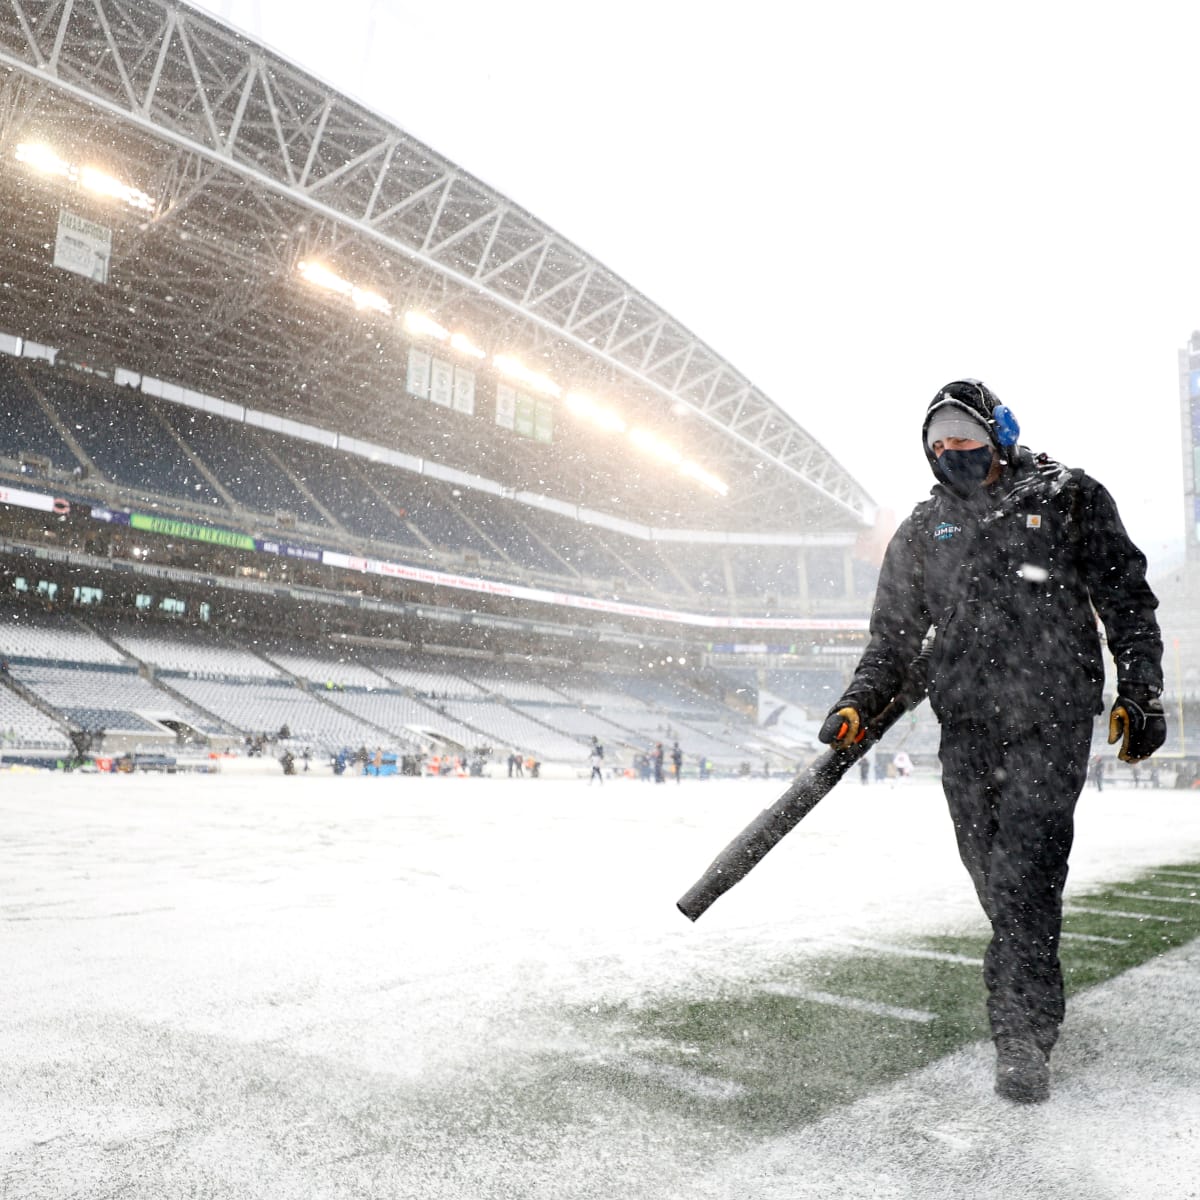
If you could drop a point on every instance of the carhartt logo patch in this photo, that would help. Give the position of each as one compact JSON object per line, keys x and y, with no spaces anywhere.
{"x":1033,"y":521}
{"x":945,"y":531}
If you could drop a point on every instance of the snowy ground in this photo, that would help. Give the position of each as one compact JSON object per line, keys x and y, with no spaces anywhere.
{"x":319,"y":987}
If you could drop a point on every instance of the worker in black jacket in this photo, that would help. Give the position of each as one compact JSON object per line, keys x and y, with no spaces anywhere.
{"x":1007,"y":563}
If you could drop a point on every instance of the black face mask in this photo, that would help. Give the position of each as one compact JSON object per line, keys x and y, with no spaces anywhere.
{"x":965,"y":470}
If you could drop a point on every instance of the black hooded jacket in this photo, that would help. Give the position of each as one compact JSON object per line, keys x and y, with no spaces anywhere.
{"x":1011,"y":578}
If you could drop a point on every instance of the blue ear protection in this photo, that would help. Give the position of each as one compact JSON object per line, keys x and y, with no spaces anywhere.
{"x":1005,"y":424}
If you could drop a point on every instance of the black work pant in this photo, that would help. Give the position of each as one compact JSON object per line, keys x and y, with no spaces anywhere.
{"x":1012,"y":798}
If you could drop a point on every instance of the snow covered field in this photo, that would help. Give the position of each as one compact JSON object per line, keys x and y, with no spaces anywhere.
{"x":314,"y":987}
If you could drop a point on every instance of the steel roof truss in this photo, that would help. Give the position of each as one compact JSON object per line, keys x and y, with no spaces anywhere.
{"x":507,"y":266}
{"x":168,"y":32}
{"x":183,"y":77}
{"x":61,"y":35}
{"x":117,"y":59}
{"x":315,"y":144}
{"x":186,"y":42}
{"x":465,"y":231}
{"x":30,"y":38}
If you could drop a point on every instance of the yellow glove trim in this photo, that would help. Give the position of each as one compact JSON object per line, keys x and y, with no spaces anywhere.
{"x":851,"y":730}
{"x":1118,"y":730}
{"x":1118,"y":725}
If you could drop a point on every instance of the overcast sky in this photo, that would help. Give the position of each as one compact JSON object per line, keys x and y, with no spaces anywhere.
{"x":852,"y":203}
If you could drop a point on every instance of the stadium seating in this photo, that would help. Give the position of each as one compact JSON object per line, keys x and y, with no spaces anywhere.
{"x":275,"y":480}
{"x":115,"y":699}
{"x":123,"y":436}
{"x":24,"y":425}
{"x":579,"y":723}
{"x":426,"y":675}
{"x":271,"y":706}
{"x":813,"y":690}
{"x":333,"y":479}
{"x":51,"y":637}
{"x":429,"y":508}
{"x":331,"y":697}
{"x":701,"y":567}
{"x":405,"y":717}
{"x":504,"y":726}
{"x":765,"y":570}
{"x":513,"y":680}
{"x":191,"y":651}
{"x":24,"y":727}
{"x":238,"y":456}
{"x":507,"y":528}
{"x":327,"y":670}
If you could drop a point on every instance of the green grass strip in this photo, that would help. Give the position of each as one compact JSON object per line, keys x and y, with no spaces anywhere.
{"x":785,"y":1061}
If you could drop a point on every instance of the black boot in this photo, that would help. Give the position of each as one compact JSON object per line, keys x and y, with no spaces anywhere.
{"x":1022,"y":1072}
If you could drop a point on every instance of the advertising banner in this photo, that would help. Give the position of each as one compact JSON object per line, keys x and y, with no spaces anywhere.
{"x":417,"y":383}
{"x":441,"y":383}
{"x":523,"y":423}
{"x":189,"y":531}
{"x":24,"y":499}
{"x":506,"y":406}
{"x":82,"y":246}
{"x":464,"y":390}
{"x":543,"y":421}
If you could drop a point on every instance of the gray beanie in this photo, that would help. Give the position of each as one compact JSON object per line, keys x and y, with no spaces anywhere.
{"x":952,"y":422}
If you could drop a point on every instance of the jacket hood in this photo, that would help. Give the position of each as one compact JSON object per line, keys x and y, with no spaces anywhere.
{"x":973,"y":399}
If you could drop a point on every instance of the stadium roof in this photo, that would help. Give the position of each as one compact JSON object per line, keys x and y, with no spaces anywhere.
{"x":248,"y":166}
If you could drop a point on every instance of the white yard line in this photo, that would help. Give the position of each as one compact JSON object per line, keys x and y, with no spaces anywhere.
{"x":1095,"y":937}
{"x":1156,"y":899}
{"x":692,"y":1083}
{"x":1116,"y":912}
{"x":916,"y":1015}
{"x":1183,"y":887}
{"x":911,"y":952}
{"x":1178,"y":874}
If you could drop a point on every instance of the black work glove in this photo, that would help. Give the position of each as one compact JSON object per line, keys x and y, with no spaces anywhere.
{"x":1138,"y":723}
{"x":843,"y":727}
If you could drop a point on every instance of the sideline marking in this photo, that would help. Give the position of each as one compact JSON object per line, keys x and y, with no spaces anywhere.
{"x":912,"y":952}
{"x":1178,"y":874}
{"x":1094,"y":937}
{"x":947,"y":1139}
{"x":1157,"y":899}
{"x":876,"y":1009}
{"x":1116,"y":912}
{"x":681,"y":1079}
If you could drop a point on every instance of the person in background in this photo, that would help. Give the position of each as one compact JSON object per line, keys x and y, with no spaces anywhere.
{"x":597,"y":762}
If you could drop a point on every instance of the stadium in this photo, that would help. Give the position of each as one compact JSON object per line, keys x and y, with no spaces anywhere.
{"x":321,"y":457}
{"x":308,"y":429}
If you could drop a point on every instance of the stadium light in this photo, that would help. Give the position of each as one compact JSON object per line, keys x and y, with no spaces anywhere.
{"x":515,"y":369}
{"x":464,"y":345}
{"x":322,"y":277}
{"x":40,"y":157}
{"x":100,"y":183}
{"x":419,"y":325}
{"x":707,"y":478}
{"x":365,"y":298}
{"x":46,"y":160}
{"x":651,"y":443}
{"x":584,"y":406}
